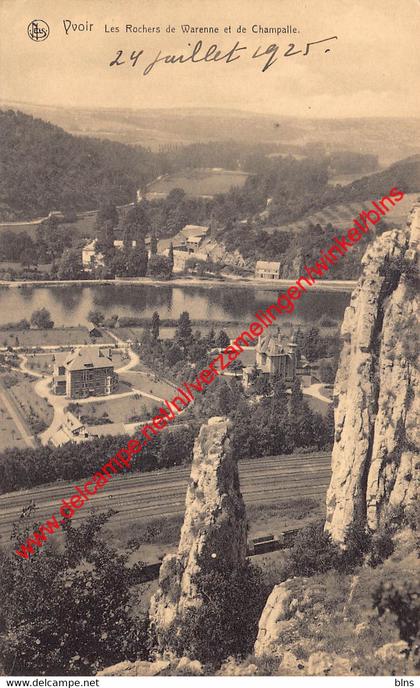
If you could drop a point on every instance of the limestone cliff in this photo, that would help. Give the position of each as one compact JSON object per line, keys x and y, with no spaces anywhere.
{"x":376,"y":414}
{"x":214,"y":526}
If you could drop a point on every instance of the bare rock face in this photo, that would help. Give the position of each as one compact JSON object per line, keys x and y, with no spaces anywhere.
{"x":328,"y":664}
{"x":214,"y":527}
{"x":273,"y":622}
{"x":138,"y":668}
{"x":376,"y":415}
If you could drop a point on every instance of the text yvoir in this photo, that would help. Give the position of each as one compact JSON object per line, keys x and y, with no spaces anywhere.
{"x":186,"y":391}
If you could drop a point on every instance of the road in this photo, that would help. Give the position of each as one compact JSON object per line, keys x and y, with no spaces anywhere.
{"x":162,"y":493}
{"x":16,"y":416}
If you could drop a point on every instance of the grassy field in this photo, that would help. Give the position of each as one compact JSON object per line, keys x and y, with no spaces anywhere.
{"x":58,"y":336}
{"x":37,"y":412}
{"x":83,"y":227}
{"x":148,"y":383}
{"x":9,"y":434}
{"x":125,"y":410}
{"x":199,"y":182}
{"x":18,"y":228}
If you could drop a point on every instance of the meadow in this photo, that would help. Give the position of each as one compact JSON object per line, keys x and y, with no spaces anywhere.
{"x":199,"y":182}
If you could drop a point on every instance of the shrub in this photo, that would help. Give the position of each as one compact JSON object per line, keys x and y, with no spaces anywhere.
{"x":313,"y":552}
{"x":227,"y":622}
{"x":381,"y":547}
{"x":357,"y":546}
{"x":404,"y":603}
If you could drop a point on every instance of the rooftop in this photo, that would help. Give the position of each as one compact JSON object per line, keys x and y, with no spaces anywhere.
{"x":267,"y":265}
{"x":87,"y":358}
{"x":194,"y":230}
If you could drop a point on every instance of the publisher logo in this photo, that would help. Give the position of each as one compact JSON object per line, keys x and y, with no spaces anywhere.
{"x":38,"y":30}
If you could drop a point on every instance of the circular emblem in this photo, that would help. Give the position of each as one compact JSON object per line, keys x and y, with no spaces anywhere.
{"x":38,"y":30}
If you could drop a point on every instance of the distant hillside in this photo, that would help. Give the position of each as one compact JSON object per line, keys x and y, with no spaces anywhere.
{"x":405,"y":174}
{"x":389,"y":138}
{"x":44,"y":168}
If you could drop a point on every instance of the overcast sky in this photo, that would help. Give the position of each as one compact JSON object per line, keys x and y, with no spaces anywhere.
{"x":372,"y":69}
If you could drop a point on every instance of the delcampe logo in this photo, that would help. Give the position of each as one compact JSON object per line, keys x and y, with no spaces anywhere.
{"x":38,"y":30}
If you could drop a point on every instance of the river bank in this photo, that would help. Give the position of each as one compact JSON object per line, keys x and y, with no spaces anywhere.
{"x":240,"y":282}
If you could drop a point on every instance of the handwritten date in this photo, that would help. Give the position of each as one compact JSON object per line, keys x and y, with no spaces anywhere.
{"x":199,"y":53}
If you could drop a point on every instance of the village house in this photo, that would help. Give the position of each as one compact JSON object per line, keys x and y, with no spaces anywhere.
{"x":93,"y":258}
{"x":83,"y":373}
{"x":194,"y":236}
{"x":182,"y":256}
{"x":190,"y":238}
{"x":265,"y":269}
{"x":273,"y":359}
{"x":74,"y":430}
{"x":189,"y":242}
{"x":119,"y":244}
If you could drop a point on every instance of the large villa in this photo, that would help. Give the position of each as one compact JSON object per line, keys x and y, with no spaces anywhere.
{"x":84,"y":372}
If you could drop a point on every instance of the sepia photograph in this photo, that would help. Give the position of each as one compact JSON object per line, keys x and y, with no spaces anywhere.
{"x":209,"y":379}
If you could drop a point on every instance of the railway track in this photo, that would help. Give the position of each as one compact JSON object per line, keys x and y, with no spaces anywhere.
{"x":162,"y":493}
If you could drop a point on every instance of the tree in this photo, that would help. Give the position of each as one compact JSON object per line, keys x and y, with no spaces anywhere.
{"x":136,"y":224}
{"x":222,"y":340}
{"x":327,"y":371}
{"x":155,"y":325}
{"x":59,"y":616}
{"x":117,"y":264}
{"x":262,"y":385}
{"x":171,"y":256}
{"x":106,"y":215}
{"x":70,"y":265}
{"x":107,"y":235}
{"x":153,"y":245}
{"x":96,"y":317}
{"x":296,"y":398}
{"x":41,"y":318}
{"x":211,"y":338}
{"x":183,"y":333}
{"x":159,"y":266}
{"x":136,"y":260}
{"x":28,"y":258}
{"x":225,"y":398}
{"x":174,"y":198}
{"x":174,"y":354}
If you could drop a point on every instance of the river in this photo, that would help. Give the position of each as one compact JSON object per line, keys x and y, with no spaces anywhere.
{"x":69,"y":305}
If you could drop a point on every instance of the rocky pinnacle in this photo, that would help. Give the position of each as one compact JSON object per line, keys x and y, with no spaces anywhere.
{"x":376,"y":408}
{"x":214,"y":527}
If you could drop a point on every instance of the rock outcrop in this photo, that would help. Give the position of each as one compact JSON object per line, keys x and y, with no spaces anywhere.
{"x":376,"y":414}
{"x":214,"y":527}
{"x":273,"y":622}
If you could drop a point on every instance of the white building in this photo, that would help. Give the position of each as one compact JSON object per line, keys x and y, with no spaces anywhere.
{"x":265,"y":269}
{"x":91,"y":257}
{"x":119,"y":244}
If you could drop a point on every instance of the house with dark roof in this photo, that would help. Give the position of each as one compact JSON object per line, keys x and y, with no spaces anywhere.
{"x":84,"y":372}
{"x":273,"y":358}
